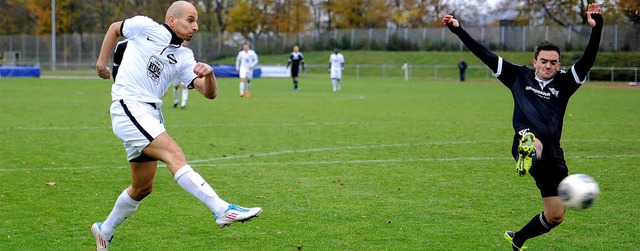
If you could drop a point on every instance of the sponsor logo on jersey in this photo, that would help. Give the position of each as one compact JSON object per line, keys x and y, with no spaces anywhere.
{"x":154,"y":68}
{"x":542,"y":94}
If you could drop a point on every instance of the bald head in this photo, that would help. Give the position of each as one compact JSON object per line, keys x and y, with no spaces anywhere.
{"x":178,"y":9}
{"x":182,"y":18}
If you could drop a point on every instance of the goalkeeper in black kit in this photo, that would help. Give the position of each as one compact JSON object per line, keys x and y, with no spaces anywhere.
{"x":540,"y":97}
{"x":296,"y":60}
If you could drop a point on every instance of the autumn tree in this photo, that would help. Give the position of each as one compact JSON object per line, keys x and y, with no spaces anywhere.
{"x":14,"y":17}
{"x":562,"y":12}
{"x":213,"y":14}
{"x":290,"y":16}
{"x":348,"y":14}
{"x":244,"y":18}
{"x":317,"y":11}
{"x":377,"y":14}
{"x":630,"y":9}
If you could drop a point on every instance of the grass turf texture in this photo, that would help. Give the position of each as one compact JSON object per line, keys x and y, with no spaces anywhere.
{"x":382,"y":165}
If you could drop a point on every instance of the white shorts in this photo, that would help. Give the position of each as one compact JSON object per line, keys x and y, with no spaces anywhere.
{"x":246,"y":73}
{"x":336,"y":72}
{"x":136,"y":124}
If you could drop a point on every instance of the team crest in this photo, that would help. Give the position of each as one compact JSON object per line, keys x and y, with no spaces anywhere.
{"x":172,"y":59}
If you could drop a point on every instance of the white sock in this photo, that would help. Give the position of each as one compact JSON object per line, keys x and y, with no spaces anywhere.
{"x":248,"y":87}
{"x":175,"y":96}
{"x":241,"y":88}
{"x":193,"y":183}
{"x":185,"y":96}
{"x":333,"y":83}
{"x":124,"y":207}
{"x":339,"y":84}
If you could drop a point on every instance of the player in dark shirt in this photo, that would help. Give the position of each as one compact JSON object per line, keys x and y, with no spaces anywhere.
{"x":540,"y":98}
{"x":295,"y":61}
{"x":462,"y":66}
{"x":117,"y":57}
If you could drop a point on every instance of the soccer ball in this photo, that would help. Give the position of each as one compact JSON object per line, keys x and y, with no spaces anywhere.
{"x":578,"y":191}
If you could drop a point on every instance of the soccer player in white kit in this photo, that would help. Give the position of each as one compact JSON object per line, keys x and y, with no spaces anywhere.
{"x":179,"y":85}
{"x":153,"y":60}
{"x":177,"y":98}
{"x":336,"y":65}
{"x":245,"y":61}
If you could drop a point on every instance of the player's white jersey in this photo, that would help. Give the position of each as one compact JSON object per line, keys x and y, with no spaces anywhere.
{"x":246,"y":59}
{"x":336,"y":60}
{"x":152,"y":62}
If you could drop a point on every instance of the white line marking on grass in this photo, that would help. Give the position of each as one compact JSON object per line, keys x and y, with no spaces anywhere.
{"x":361,"y":161}
{"x":56,"y":128}
{"x":204,"y":161}
{"x":59,"y":128}
{"x":343,"y":148}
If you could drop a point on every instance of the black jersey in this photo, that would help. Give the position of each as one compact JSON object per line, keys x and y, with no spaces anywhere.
{"x":537,"y":107}
{"x":296,"y":59}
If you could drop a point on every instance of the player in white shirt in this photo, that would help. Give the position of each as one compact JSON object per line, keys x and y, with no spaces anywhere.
{"x":336,"y":65}
{"x":246,"y":60}
{"x":153,"y":60}
{"x":117,"y":60}
{"x":179,"y":85}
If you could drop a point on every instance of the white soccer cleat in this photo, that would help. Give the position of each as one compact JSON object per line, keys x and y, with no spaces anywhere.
{"x":237,"y":213}
{"x":102,"y":244}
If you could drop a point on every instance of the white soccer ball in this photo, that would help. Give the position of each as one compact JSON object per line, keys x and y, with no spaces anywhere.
{"x":578,"y":191}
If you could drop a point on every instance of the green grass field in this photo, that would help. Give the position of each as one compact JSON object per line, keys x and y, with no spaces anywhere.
{"x":385,"y":164}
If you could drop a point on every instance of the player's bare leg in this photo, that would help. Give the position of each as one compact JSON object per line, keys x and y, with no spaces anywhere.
{"x":166,"y":149}
{"x":542,"y":223}
{"x":554,"y":209}
{"x":142,"y":175}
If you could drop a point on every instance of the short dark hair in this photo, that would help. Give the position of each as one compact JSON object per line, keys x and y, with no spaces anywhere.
{"x":546,"y":46}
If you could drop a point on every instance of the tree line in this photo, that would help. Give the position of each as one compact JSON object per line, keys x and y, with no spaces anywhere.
{"x":254,"y":17}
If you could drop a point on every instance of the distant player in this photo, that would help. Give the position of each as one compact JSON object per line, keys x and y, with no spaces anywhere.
{"x":296,"y":60}
{"x":178,"y":85}
{"x":246,"y":60}
{"x":462,"y":66}
{"x":540,"y":98}
{"x":336,"y":65}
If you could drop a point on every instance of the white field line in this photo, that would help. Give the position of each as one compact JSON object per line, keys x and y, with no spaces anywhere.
{"x":223,"y":125}
{"x":69,"y":128}
{"x":206,"y":162}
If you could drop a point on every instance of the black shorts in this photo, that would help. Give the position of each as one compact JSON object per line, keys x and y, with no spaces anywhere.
{"x":294,"y":72}
{"x":549,"y":170}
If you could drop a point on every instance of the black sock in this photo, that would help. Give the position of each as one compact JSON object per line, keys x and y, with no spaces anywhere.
{"x":537,"y":226}
{"x":295,"y":84}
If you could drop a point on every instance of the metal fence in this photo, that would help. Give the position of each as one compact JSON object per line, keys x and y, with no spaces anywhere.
{"x":79,"y":51}
{"x":451,"y":72}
